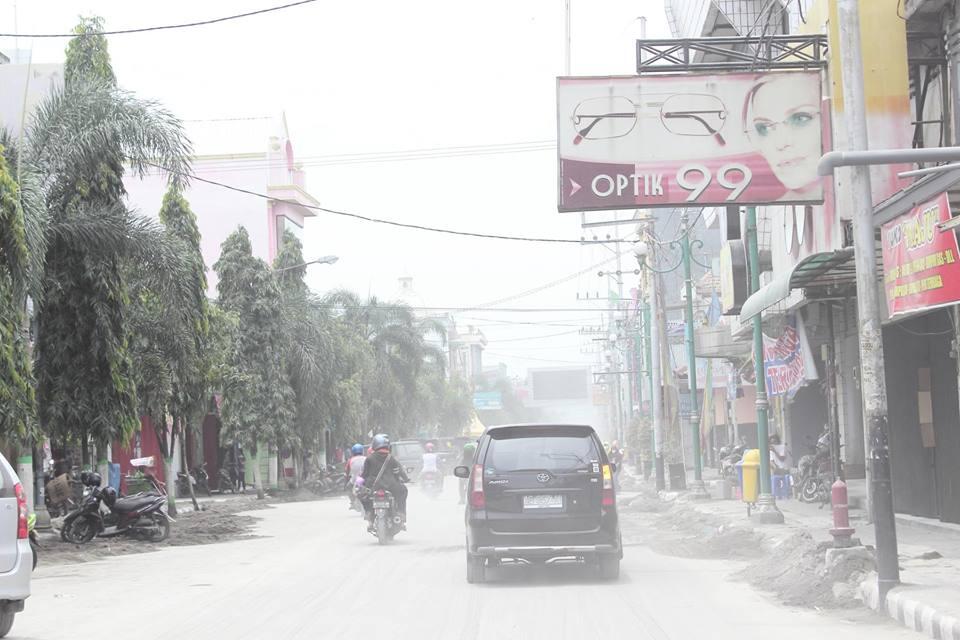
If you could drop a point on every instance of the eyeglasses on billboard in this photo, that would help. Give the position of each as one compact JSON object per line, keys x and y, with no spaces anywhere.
{"x":683,"y":114}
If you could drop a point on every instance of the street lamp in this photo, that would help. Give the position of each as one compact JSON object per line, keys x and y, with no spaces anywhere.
{"x":323,"y":260}
{"x":642,"y":250}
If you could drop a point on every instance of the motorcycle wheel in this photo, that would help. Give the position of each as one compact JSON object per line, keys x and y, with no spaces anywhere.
{"x":810,"y":490}
{"x":163,"y":528}
{"x":383,"y":530}
{"x":79,"y":531}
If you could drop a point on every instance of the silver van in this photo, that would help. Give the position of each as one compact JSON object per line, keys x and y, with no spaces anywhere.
{"x":16,"y":558}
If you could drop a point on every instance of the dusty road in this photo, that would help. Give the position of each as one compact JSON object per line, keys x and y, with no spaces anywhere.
{"x":315,"y":573}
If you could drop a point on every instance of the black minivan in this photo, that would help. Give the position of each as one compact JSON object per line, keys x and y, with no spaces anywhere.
{"x":541,"y":493}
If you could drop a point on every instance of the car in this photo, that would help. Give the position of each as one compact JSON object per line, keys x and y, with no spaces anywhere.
{"x":410,"y":454}
{"x":541,"y":493}
{"x":16,"y":556}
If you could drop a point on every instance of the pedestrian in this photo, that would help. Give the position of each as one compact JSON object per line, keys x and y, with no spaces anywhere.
{"x":241,"y":467}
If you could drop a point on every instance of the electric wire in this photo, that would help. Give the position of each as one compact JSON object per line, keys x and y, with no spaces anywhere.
{"x":393,"y":223}
{"x":166,"y":27}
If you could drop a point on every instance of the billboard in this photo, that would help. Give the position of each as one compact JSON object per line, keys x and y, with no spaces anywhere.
{"x":921,"y":263}
{"x":689,"y":140}
{"x":487,"y":401}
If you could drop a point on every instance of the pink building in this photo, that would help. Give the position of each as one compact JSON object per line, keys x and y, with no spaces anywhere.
{"x":254,"y":154}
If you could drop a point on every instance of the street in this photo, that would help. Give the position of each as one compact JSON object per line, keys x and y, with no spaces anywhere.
{"x":312,"y":572}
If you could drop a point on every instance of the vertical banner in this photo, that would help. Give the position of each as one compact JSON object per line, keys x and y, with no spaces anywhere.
{"x":788,"y":361}
{"x":921,"y":264}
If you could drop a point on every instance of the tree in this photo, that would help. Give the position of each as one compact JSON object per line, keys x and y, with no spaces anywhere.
{"x":16,"y":379}
{"x":258,"y":399}
{"x":78,"y":144}
{"x":170,"y":326}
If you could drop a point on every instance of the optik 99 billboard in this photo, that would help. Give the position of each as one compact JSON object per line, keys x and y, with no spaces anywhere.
{"x":689,"y":140}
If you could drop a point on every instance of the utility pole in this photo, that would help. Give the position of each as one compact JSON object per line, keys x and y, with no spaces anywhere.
{"x":873,"y":383}
{"x":766,"y":510}
{"x":697,"y":488}
{"x":656,"y":360}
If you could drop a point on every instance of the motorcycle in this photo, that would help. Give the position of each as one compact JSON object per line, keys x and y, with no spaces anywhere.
{"x":431,"y":482}
{"x":198,"y":476}
{"x":103,"y":514}
{"x":815,"y":472}
{"x":225,"y":483}
{"x":386,"y":521}
{"x":729,"y":457}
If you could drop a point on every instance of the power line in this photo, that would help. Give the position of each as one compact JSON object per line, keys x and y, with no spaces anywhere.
{"x":357,"y":216}
{"x":182,"y":25}
{"x":513,"y":357}
{"x":337,"y":306}
{"x":540,"y":337}
{"x":548,"y":285}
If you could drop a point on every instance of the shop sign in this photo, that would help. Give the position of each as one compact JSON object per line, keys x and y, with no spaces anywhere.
{"x":921,"y":267}
{"x":787,"y":361}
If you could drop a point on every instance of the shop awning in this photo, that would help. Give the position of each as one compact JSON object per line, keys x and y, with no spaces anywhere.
{"x":820,"y":269}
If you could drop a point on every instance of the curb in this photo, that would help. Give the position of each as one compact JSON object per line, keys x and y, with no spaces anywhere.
{"x":911,"y":613}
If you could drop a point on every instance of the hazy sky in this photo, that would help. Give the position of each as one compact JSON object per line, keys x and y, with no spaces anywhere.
{"x":380,"y":76}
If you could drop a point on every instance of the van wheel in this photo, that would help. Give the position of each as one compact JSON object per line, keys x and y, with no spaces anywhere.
{"x":609,"y":566}
{"x":6,"y":622}
{"x":476,"y":569}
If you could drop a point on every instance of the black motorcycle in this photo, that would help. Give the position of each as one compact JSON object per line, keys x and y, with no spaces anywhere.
{"x":815,"y":472}
{"x":200,"y":479}
{"x":386,"y":520}
{"x":102,"y":513}
{"x":729,"y":457}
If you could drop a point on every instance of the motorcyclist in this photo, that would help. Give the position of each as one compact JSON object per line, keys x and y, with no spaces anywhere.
{"x":466,"y":459}
{"x":431,"y":464}
{"x":391,"y":479}
{"x":352,"y":471}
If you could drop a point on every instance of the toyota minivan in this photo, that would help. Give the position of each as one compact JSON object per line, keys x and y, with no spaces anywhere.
{"x":538,"y":494}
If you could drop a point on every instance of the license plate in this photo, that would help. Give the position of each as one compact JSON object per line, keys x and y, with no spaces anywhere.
{"x":378,"y":504}
{"x":543,"y":502}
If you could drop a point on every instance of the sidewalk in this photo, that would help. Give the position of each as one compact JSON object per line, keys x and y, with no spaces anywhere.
{"x":928,"y":599}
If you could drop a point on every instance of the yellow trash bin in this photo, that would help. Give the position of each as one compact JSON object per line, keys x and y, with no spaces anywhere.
{"x":750,"y":475}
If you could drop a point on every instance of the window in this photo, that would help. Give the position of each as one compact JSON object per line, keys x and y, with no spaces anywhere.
{"x":542,"y":452}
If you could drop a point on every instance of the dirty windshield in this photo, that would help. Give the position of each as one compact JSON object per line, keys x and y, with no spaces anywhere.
{"x":513,"y":319}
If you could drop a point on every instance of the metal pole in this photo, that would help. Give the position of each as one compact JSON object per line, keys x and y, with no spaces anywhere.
{"x":566,"y":40}
{"x":647,"y":347}
{"x":697,"y":488}
{"x":766,"y":511}
{"x":873,"y":384}
{"x":655,"y":373}
{"x":831,"y":369}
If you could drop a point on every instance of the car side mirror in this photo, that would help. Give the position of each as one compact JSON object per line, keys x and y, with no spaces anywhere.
{"x":461,"y":472}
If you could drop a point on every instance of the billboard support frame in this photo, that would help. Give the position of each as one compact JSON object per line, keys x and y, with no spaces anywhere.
{"x":770,"y":53}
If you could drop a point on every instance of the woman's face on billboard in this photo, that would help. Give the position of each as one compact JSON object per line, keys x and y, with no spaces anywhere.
{"x":784,"y":124}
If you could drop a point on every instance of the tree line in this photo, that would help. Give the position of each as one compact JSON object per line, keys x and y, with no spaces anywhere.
{"x":104,"y":315}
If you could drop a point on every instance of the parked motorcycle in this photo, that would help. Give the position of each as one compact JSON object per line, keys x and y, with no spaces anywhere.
{"x":198,"y":476}
{"x":103,"y":514}
{"x":386,"y":520}
{"x":225,"y":483}
{"x":729,"y":457}
{"x":815,"y":472}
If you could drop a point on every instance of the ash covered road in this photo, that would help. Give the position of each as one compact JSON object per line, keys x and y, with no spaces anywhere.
{"x":313,"y":572}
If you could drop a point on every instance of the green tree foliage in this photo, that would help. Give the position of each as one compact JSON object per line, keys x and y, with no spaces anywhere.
{"x":78,"y":144}
{"x":16,"y":384}
{"x":258,"y":401}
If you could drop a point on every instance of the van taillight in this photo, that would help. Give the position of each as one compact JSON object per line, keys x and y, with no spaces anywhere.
{"x":477,"y":499}
{"x":23,"y":531}
{"x":607,"y":499}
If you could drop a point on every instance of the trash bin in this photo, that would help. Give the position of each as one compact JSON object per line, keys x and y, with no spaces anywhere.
{"x":749,"y":470}
{"x":782,"y":487}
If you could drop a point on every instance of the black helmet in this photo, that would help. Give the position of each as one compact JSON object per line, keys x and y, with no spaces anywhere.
{"x":109,"y":496}
{"x":93,"y":479}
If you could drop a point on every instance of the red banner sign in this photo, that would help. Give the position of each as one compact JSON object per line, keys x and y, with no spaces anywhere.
{"x":921,"y":264}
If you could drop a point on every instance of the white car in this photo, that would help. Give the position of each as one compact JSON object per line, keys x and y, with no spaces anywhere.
{"x":16,"y":557}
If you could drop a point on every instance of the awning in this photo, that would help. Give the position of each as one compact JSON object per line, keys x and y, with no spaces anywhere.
{"x":820,"y":269}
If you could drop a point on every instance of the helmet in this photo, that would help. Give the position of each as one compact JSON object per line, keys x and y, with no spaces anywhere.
{"x":109,"y":496}
{"x":381,"y":441}
{"x":429,"y":447}
{"x":93,"y":479}
{"x":357,"y":449}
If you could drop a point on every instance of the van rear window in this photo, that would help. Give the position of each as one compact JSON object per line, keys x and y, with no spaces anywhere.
{"x":541,"y":452}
